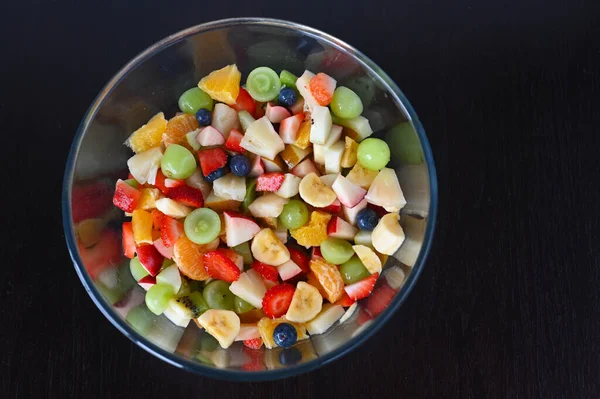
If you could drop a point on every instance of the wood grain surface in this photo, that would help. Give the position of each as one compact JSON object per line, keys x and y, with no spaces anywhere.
{"x":509,"y":303}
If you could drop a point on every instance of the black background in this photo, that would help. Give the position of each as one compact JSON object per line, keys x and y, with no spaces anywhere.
{"x":509,"y":302}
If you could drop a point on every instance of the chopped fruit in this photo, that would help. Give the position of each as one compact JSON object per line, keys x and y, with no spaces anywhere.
{"x":346,"y":103}
{"x":172,"y":208}
{"x":254,"y":315}
{"x":204,"y":117}
{"x":148,"y":198}
{"x":128,"y":241}
{"x":239,"y":228}
{"x":248,"y":331}
{"x":388,"y":236}
{"x":219,"y":204}
{"x":219,"y":266}
{"x":223,"y":84}
{"x":209,"y":136}
{"x":164,"y":250}
{"x":369,"y":258}
{"x":334,"y":208}
{"x":304,"y":168}
{"x":149,"y":135}
{"x":339,"y":228}
{"x":303,"y":135}
{"x":312,"y":280}
{"x":170,"y":230}
{"x":268,"y":221}
{"x":188,"y":257}
{"x":361,"y":177}
{"x":172,"y":183}
{"x":224,"y":325}
{"x":268,"y":272}
{"x":244,"y":102}
{"x":231,"y":186}
{"x":333,"y":157}
{"x":293,"y":155}
{"x":187,"y":195}
{"x":262,"y":139}
{"x":328,"y":316}
{"x":288,"y":128}
{"x":145,"y":165}
{"x":267,"y":248}
{"x":379,"y":300}
{"x":273,"y":165}
{"x":385,"y":191}
{"x":234,"y":140}
{"x":177,"y":128}
{"x":314,"y":192}
{"x":380,"y":211}
{"x":212,"y":159}
{"x":277,"y":300}
{"x":289,"y":187}
{"x":306,"y":303}
{"x":266,"y":326}
{"x":159,"y":182}
{"x":350,"y":214}
{"x":91,"y":200}
{"x":363,"y":237}
{"x":288,"y":270}
{"x":303,"y":86}
{"x":345,"y":300}
{"x":349,"y":157}
{"x":147,"y":282}
{"x":322,"y":87}
{"x":276,"y":113}
{"x":313,"y":233}
{"x":395,"y":277}
{"x":270,"y":182}
{"x":224,"y":119}
{"x":141,"y":222}
{"x":257,"y":167}
{"x":329,"y":277}
{"x":357,"y":128}
{"x":321,"y":124}
{"x":255,"y":343}
{"x":251,"y":288}
{"x":126,"y":197}
{"x":300,"y":258}
{"x":269,"y":205}
{"x":329,"y":179}
{"x":363,"y":288}
{"x":150,"y":258}
{"x":263,"y":84}
{"x":347,"y":192}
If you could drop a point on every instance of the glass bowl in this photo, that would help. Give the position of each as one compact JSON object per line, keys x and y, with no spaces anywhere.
{"x":152,"y":82}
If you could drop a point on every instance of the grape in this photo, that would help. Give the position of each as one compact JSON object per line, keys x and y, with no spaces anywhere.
{"x":288,"y":79}
{"x":263,"y":84}
{"x":373,"y":154}
{"x":250,"y":194}
{"x":178,"y":162}
{"x":137,"y":270}
{"x":244,"y":250}
{"x":157,"y":297}
{"x":194,"y":99}
{"x":217,"y":295}
{"x":346,"y":103}
{"x":336,"y":250}
{"x":353,"y":270}
{"x":294,"y":214}
{"x":141,"y":319}
{"x":240,"y":306}
{"x":202,"y":225}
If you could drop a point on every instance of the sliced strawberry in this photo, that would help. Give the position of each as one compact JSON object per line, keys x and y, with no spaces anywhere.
{"x":379,"y":210}
{"x":277,"y":300}
{"x":270,"y":182}
{"x":244,"y":102}
{"x":345,"y":300}
{"x":128,"y":243}
{"x":157,"y":217}
{"x":150,"y":258}
{"x":160,"y":182}
{"x":381,"y":297}
{"x":219,"y":266}
{"x":236,"y":258}
{"x":334,"y":208}
{"x":90,"y":200}
{"x":126,"y":197}
{"x":172,"y":183}
{"x":170,"y":230}
{"x":187,"y":195}
{"x":234,"y":140}
{"x":316,"y":253}
{"x":322,"y":87}
{"x":255,"y":343}
{"x":259,"y":112}
{"x":104,"y":254}
{"x":300,"y":258}
{"x":211,"y":160}
{"x":268,"y":272}
{"x":361,"y":289}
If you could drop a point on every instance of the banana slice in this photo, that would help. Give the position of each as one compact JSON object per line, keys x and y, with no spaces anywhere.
{"x":315,"y":192}
{"x":172,"y":208}
{"x":368,"y":257}
{"x":388,"y":235}
{"x":306,"y":303}
{"x":224,"y":325}
{"x":267,"y":248}
{"x":324,"y":320}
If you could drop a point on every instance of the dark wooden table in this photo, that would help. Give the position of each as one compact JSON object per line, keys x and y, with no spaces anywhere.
{"x":509,"y":303}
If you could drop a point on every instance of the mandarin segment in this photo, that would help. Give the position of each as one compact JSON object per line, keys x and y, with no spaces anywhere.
{"x":149,"y":135}
{"x":303,"y":135}
{"x":141,"y":222}
{"x":329,"y":277}
{"x":188,"y":257}
{"x":313,"y":233}
{"x":148,"y":198}
{"x":177,"y":128}
{"x":223,"y":84}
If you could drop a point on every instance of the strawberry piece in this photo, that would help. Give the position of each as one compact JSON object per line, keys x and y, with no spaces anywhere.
{"x":277,"y":300}
{"x":150,"y":258}
{"x":255,"y":343}
{"x":259,"y":111}
{"x":104,"y":254}
{"x":211,"y":160}
{"x":236,"y":258}
{"x":345,"y":300}
{"x":160,"y":182}
{"x":172,"y":183}
{"x":90,"y":201}
{"x":270,"y":182}
{"x":316,"y":253}
{"x":361,"y":289}
{"x":234,"y":140}
{"x":379,"y":210}
{"x":244,"y":102}
{"x":268,"y":272}
{"x":170,"y":231}
{"x":163,"y":249}
{"x":187,"y":195}
{"x":157,"y":217}
{"x":219,"y":266}
{"x":381,"y":297}
{"x":322,"y":87}
{"x":334,"y":208}
{"x":300,"y":258}
{"x":126,"y":197}
{"x":128,"y":242}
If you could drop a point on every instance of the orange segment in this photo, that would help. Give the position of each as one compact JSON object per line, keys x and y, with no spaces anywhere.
{"x":177,"y":127}
{"x":314,"y":232}
{"x":148,"y":198}
{"x":141,"y":222}
{"x":350,"y":150}
{"x":149,"y":135}
{"x":188,"y":257}
{"x":314,"y":281}
{"x":223,"y":84}
{"x":303,"y":136}
{"x":329,"y":277}
{"x":266,"y":326}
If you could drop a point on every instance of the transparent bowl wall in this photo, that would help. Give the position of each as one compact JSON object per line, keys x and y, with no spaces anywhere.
{"x":152,"y":82}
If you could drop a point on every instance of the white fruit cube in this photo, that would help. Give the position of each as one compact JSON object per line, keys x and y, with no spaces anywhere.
{"x":347,"y":192}
{"x":144,"y":166}
{"x":320,"y":125}
{"x":289,"y":187}
{"x":329,"y":179}
{"x":262,"y":139}
{"x":385,"y":191}
{"x":269,"y":205}
{"x":288,"y":270}
{"x":303,"y":86}
{"x":250,"y":287}
{"x":225,"y":118}
{"x":230,"y":187}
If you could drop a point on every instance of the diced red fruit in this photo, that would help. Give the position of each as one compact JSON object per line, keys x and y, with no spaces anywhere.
{"x":339,"y":228}
{"x":267,"y":271}
{"x":209,"y":136}
{"x":212,"y":159}
{"x":172,"y":183}
{"x":277,"y":300}
{"x":361,"y":289}
{"x":187,"y":195}
{"x":219,"y":266}
{"x":170,"y":230}
{"x":322,"y":87}
{"x":236,"y":258}
{"x":150,"y":258}
{"x":255,"y":343}
{"x":334,"y":208}
{"x":379,"y":210}
{"x":300,"y":258}
{"x":234,"y":140}
{"x":160,"y":182}
{"x":128,"y":242}
{"x":316,"y":253}
{"x":126,"y":197}
{"x":259,"y":111}
{"x":107,"y":252}
{"x":90,"y":200}
{"x":276,"y":113}
{"x":147,"y":281}
{"x":381,"y":297}
{"x":345,"y":300}
{"x":239,"y":228}
{"x":257,"y":168}
{"x":157,"y":217}
{"x":270,"y":182}
{"x":244,"y":102}
{"x":165,"y":251}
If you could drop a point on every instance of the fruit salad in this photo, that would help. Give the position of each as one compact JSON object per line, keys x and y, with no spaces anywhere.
{"x":262,"y":211}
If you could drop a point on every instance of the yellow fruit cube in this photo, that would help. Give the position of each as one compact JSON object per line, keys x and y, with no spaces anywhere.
{"x":303,"y":136}
{"x":314,"y":232}
{"x":266,"y":326}
{"x":292,"y":155}
{"x":329,"y":277}
{"x":349,"y":155}
{"x":148,"y":198}
{"x":223,"y":84}
{"x":149,"y":135}
{"x":361,"y":177}
{"x":141,"y":222}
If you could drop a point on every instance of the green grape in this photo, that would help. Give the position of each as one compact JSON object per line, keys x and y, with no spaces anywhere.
{"x":217,"y":295}
{"x":132,"y":182}
{"x":250,"y":194}
{"x":141,"y":319}
{"x":194,"y":99}
{"x":294,"y":214}
{"x":178,"y":162}
{"x":191,"y":140}
{"x":346,"y":103}
{"x":202,"y":225}
{"x":245,"y":119}
{"x":373,"y":154}
{"x":263,"y":84}
{"x":336,"y":250}
{"x":240,"y":306}
{"x":137,"y":270}
{"x":244,"y":250}
{"x":353,"y":270}
{"x":288,"y":79}
{"x":157,"y":297}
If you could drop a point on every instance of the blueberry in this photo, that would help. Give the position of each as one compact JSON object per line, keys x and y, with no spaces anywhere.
{"x":289,"y":357}
{"x":367,"y":219}
{"x":287,"y":97}
{"x":239,"y":165}
{"x":214,"y":175}
{"x":285,"y":335}
{"x":204,"y":117}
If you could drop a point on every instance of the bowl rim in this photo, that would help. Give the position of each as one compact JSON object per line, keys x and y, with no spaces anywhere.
{"x":196,"y":367}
